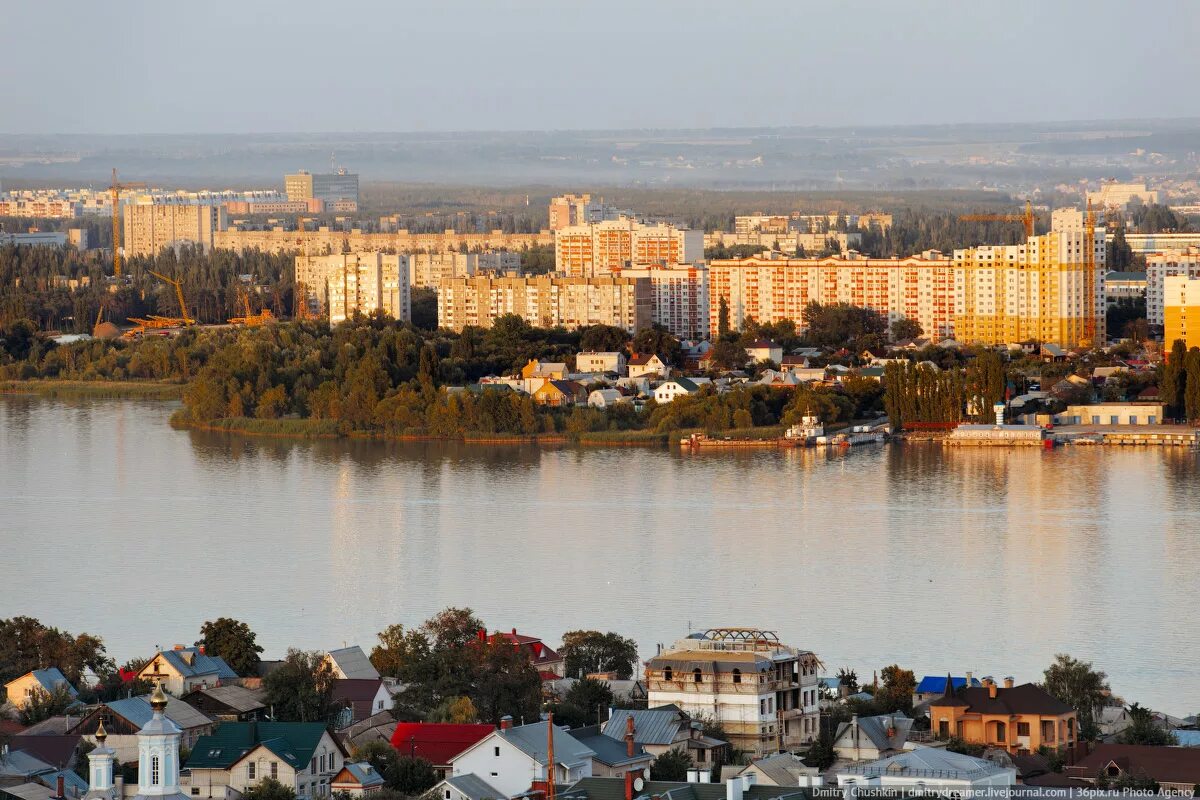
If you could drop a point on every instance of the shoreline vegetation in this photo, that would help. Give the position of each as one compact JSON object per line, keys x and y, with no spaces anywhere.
{"x":100,"y":390}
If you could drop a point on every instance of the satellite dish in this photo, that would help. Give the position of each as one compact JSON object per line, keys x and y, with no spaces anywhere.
{"x":646,"y":773}
{"x":638,"y":784}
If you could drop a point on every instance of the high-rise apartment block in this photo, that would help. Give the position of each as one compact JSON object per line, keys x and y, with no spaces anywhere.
{"x":578,"y":209}
{"x":329,"y":187}
{"x":151,"y":226}
{"x":430,"y":269}
{"x":598,"y":248}
{"x":1181,"y":311}
{"x":347,"y":284}
{"x":678,"y":297}
{"x":1159,"y":267}
{"x":545,"y":301}
{"x":1042,"y":290}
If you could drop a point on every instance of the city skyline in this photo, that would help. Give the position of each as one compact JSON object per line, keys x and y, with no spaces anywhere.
{"x":423,"y":69}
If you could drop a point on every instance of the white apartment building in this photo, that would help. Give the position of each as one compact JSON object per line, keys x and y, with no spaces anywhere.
{"x":596,"y":249}
{"x":678,"y":297}
{"x":762,"y":692}
{"x":153,"y":225}
{"x":363,"y":283}
{"x":1159,"y":267}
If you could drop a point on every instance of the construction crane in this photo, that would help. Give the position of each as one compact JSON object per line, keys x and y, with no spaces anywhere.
{"x":249,"y":318}
{"x":157,"y":322}
{"x":1027,"y":218}
{"x":117,"y":188}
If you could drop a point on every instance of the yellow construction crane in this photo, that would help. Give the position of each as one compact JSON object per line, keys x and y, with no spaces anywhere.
{"x":1026,"y":218}
{"x":249,"y":318}
{"x":157,"y":322}
{"x":116,"y":218}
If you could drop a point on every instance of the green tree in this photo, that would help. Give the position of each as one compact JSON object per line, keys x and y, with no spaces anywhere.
{"x":672,"y":765}
{"x":906,"y":328}
{"x":584,"y":701}
{"x":301,"y":688}
{"x":727,"y":355}
{"x":848,"y":678}
{"x":397,"y":648}
{"x":42,"y":704}
{"x":458,"y":710}
{"x":603,"y":339}
{"x":1080,"y":686}
{"x":586,"y":652}
{"x":411,"y":776}
{"x":722,"y":318}
{"x":1171,"y":387}
{"x":821,"y":753}
{"x":269,"y":789}
{"x":1144,"y":729}
{"x":957,"y":745}
{"x":26,"y":644}
{"x":985,"y":383}
{"x":234,"y":642}
{"x":896,"y":693}
{"x":505,"y":682}
{"x":1191,"y":382}
{"x":658,"y":340}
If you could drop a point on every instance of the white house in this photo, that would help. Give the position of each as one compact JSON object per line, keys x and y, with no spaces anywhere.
{"x":183,"y":669}
{"x":351,"y":663}
{"x":303,"y":756}
{"x":600,"y":362}
{"x":511,"y":759}
{"x":872,"y":738}
{"x":667,"y":391}
{"x":929,"y":769}
{"x":651,"y":364}
{"x":606,"y":398}
{"x":765,"y":350}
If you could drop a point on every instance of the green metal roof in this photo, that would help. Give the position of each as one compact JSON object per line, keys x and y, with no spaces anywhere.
{"x":293,"y":742}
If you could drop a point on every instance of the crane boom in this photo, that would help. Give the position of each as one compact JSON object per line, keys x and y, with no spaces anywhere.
{"x":1027,"y":218}
{"x":183,"y":309}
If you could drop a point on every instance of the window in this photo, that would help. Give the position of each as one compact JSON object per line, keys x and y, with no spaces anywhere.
{"x":275,"y":770}
{"x":667,"y":674}
{"x":1001,"y":732}
{"x":195,"y":790}
{"x":496,"y":752}
{"x":697,"y":676}
{"x":250,"y":770}
{"x":312,"y":765}
{"x":1022,"y":729}
{"x":737,"y":676}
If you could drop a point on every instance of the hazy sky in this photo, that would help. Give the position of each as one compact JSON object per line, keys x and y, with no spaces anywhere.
{"x":350,"y":65}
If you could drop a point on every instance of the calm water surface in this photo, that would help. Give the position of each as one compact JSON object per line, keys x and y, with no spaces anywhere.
{"x":982,"y":560}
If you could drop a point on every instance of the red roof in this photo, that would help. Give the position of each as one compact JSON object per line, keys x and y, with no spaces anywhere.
{"x":539,"y":653}
{"x":436,"y":742}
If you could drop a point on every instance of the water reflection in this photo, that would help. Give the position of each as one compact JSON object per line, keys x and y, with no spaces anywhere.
{"x":983,"y":559}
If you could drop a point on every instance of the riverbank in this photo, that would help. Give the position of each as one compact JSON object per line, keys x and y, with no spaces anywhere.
{"x":103,"y":390}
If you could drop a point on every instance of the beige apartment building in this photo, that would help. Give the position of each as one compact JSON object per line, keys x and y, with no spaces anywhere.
{"x":430,"y":269}
{"x":545,"y":301}
{"x":762,"y":692}
{"x":346,"y":284}
{"x":678,"y":297}
{"x":585,"y":251}
{"x":1160,"y":267}
{"x":577,"y":209}
{"x":149,"y":227}
{"x":325,"y":240}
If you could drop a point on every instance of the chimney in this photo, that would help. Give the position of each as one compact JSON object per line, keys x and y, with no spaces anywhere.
{"x":970,"y":677}
{"x":706,"y":776}
{"x":1008,"y":682}
{"x":733,"y":789}
{"x":629,"y":785}
{"x":990,"y":683}
{"x":629,"y":736}
{"x":505,"y":722}
{"x":693,"y":775}
{"x":514,"y":633}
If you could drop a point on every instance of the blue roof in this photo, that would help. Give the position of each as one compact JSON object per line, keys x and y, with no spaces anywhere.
{"x":1188,"y":738}
{"x":51,"y":678}
{"x":936,"y":684}
{"x":71,"y":780}
{"x":201,"y":664}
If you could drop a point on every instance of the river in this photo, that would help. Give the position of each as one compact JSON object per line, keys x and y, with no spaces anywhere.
{"x":987,"y":560}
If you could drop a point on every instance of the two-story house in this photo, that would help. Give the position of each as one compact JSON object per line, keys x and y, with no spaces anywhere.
{"x":183,"y":669}
{"x":647,"y":364}
{"x":664,"y":728}
{"x":513,"y":758}
{"x":590,"y":361}
{"x":49,"y":680}
{"x":762,"y":692}
{"x":303,"y":756}
{"x":1020,"y":719}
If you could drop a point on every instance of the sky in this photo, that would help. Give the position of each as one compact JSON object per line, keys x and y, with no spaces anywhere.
{"x":156,"y":66}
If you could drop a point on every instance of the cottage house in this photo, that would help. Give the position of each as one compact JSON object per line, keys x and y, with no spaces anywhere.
{"x":351,"y":663}
{"x":547,"y":370}
{"x":356,"y":778}
{"x":228,"y":703}
{"x":764,"y":350}
{"x":303,"y":756}
{"x":667,"y":391}
{"x":437,"y":742}
{"x":559,"y":393}
{"x":931,"y":770}
{"x":513,"y":759}
{"x":666,"y":728}
{"x":49,"y":680}
{"x":1176,"y":769}
{"x":871,"y":738}
{"x":612,"y":758}
{"x":606,"y":398}
{"x":931,"y":687}
{"x":465,"y":787}
{"x":590,"y":361}
{"x":183,"y":669}
{"x":123,"y":718}
{"x":781,"y":769}
{"x":359,"y":698}
{"x":1019,"y":719}
{"x":647,"y":364}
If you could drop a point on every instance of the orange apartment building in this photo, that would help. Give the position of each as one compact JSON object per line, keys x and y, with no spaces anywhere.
{"x":545,"y":301}
{"x":768,"y":289}
{"x":1018,"y":718}
{"x":585,"y":251}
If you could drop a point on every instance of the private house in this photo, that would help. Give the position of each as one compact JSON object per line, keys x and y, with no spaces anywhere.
{"x":762,"y":692}
{"x":547,"y":370}
{"x":559,"y":393}
{"x":183,"y":669}
{"x":303,"y":756}
{"x":48,"y":680}
{"x":514,"y":759}
{"x":742,"y":788}
{"x":623,"y":690}
{"x":600,"y":362}
{"x":776,"y":379}
{"x":356,"y":778}
{"x":375,"y":728}
{"x":465,"y":787}
{"x":228,"y":703}
{"x":437,"y":742}
{"x":351,"y":663}
{"x":360,"y":698}
{"x":667,"y":391}
{"x":612,"y":758}
{"x":929,"y":769}
{"x":658,"y":730}
{"x":647,"y":365}
{"x":606,"y":398}
{"x":549,"y":664}
{"x":764,"y":350}
{"x":1019,"y":719}
{"x":931,"y":687}
{"x":781,"y":769}
{"x":123,"y":719}
{"x":872,"y":738}
{"x":57,"y":751}
{"x":1177,"y":769}
{"x":1138,"y":413}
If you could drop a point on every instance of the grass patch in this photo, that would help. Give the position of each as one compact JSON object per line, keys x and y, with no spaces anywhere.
{"x":137,"y":390}
{"x":290,"y":427}
{"x":627,"y":437}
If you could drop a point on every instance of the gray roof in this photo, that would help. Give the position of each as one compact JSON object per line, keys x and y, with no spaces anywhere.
{"x":531,"y":740}
{"x":19,"y":764}
{"x":353,"y":663}
{"x":191,"y":663}
{"x":28,"y":791}
{"x":783,"y":769}
{"x":614,"y":789}
{"x":608,"y":750}
{"x":475,"y":787}
{"x":53,"y":726}
{"x":364,"y":773}
{"x":137,"y":710}
{"x":650,"y":726}
{"x":926,"y":760}
{"x":875,"y":729}
{"x":238,"y":698}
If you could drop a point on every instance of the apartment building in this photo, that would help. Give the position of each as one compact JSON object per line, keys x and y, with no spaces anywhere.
{"x":1044,"y":289}
{"x":1119,"y":286}
{"x":1119,"y":195}
{"x":545,"y":301}
{"x":594,"y":249}
{"x":678,"y":297}
{"x":151,"y":226}
{"x":430,"y":269}
{"x":275,"y":206}
{"x":771,"y":289}
{"x":327,"y":240}
{"x":346,"y":284}
{"x":790,"y":241}
{"x":1159,"y":267}
{"x":578,"y":209}
{"x":1147,"y":244}
{"x":40,"y":208}
{"x":762,"y":692}
{"x":329,"y":186}
{"x":1181,"y":310}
